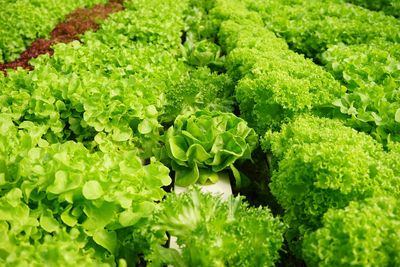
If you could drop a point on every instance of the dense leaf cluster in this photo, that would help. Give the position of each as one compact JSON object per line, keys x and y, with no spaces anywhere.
{"x":362,"y":234}
{"x":389,"y":7}
{"x":204,"y":143}
{"x":70,"y":132}
{"x":323,"y":164}
{"x":97,"y":195}
{"x":114,"y":86}
{"x":201,"y":221}
{"x":83,"y":135}
{"x":311,"y":26}
{"x":273,"y":82}
{"x":358,"y":46}
{"x":31,"y":20}
{"x":371,"y":73}
{"x":80,"y":133}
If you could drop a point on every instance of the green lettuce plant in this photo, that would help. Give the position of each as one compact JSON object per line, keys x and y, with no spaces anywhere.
{"x":105,"y":196}
{"x":213,"y":232}
{"x":323,"y":164}
{"x":204,"y":143}
{"x":389,"y":7}
{"x":363,"y":234}
{"x":274,"y":83}
{"x":371,"y":74}
{"x":29,"y":238}
{"x":312,"y":32}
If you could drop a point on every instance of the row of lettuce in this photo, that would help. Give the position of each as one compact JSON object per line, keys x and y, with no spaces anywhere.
{"x":327,"y":176}
{"x":88,"y":138}
{"x":359,"y":47}
{"x":31,"y":20}
{"x":82,"y":138}
{"x":389,"y":7}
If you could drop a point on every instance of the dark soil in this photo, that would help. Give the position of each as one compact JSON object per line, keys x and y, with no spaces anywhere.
{"x":76,"y":23}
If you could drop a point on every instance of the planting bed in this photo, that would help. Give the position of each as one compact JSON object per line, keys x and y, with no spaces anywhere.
{"x":200,"y":133}
{"x":76,"y":23}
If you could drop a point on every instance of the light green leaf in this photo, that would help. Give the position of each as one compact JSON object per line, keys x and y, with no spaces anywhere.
{"x":120,"y":136}
{"x":14,"y":197}
{"x":92,"y":190}
{"x":177,"y":146}
{"x":213,"y":140}
{"x":98,"y":217}
{"x":60,"y":183}
{"x":145,"y":126}
{"x":67,"y":218}
{"x":397,"y":115}
{"x":207,"y":176}
{"x":128,"y":218}
{"x":186,"y":176}
{"x":151,"y":111}
{"x":196,"y":153}
{"x":49,"y":224}
{"x":106,"y":239}
{"x":237,"y":176}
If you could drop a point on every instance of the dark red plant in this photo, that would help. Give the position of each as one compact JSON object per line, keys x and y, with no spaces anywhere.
{"x":76,"y":23}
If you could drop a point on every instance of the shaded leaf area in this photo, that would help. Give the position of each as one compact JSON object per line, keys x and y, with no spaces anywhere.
{"x":389,"y":7}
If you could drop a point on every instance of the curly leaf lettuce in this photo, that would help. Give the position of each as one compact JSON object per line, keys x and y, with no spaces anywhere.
{"x":213,"y":232}
{"x":363,"y":234}
{"x":323,"y":164}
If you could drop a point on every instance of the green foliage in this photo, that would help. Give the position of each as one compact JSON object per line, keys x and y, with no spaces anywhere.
{"x":233,"y":10}
{"x":107,"y":91}
{"x":143,"y":22}
{"x":25,"y":241}
{"x":213,"y":232}
{"x":274,"y":82}
{"x":362,"y":64}
{"x":79,"y":100}
{"x":363,"y":234}
{"x":72,"y":130}
{"x":79,"y":183}
{"x":322,"y":165}
{"x":31,"y":20}
{"x":199,"y":89}
{"x":105,"y":195}
{"x":310,"y":26}
{"x":389,"y":7}
{"x":371,"y":73}
{"x":204,"y":143}
{"x":358,"y":46}
{"x":249,"y":34}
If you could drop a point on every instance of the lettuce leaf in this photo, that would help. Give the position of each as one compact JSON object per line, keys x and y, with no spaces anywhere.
{"x":207,"y":141}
